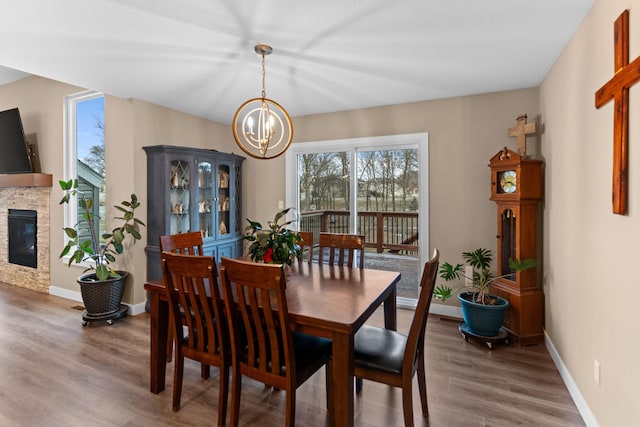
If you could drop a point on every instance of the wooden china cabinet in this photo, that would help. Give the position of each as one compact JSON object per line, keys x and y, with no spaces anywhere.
{"x":516,"y":187}
{"x":191,"y":189}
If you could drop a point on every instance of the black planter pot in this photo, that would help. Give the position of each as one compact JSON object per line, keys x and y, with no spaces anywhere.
{"x":102,"y":299}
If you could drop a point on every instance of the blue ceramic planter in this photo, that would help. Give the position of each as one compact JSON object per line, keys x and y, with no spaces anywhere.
{"x":483,"y":320}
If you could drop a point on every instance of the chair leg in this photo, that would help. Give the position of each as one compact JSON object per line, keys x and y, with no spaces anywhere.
{"x":422,"y":386}
{"x":170,"y":339}
{"x":407,"y":403}
{"x":236,"y":386}
{"x":327,"y":380}
{"x":205,"y":371}
{"x":290,"y":419}
{"x":177,"y":379}
{"x":222,"y":395}
{"x":359,"y":384}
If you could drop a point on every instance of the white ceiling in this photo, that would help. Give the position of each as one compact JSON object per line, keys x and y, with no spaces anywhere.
{"x":197,"y":56}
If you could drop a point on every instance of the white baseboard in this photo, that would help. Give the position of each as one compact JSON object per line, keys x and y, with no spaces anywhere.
{"x":65,"y":293}
{"x":133,"y":309}
{"x":438,"y":309}
{"x":446,"y":310}
{"x":588,"y":417}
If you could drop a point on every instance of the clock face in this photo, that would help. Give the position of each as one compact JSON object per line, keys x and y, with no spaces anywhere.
{"x":508,"y":181}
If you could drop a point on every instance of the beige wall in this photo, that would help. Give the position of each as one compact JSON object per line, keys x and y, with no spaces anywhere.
{"x":464,"y":133}
{"x":40,"y":102}
{"x":590,"y":253}
{"x":129,"y":126}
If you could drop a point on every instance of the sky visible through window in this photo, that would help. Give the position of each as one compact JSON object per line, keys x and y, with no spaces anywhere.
{"x":88,"y":114}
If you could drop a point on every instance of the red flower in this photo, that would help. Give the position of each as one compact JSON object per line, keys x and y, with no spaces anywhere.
{"x":268,"y":256}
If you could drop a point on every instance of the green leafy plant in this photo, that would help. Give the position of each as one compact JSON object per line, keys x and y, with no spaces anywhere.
{"x":275,"y":244}
{"x":99,"y":256}
{"x":482,"y":277}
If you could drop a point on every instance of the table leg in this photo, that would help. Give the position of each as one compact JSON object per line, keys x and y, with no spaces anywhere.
{"x":342,"y":380}
{"x":390,"y":321}
{"x":158,"y":356}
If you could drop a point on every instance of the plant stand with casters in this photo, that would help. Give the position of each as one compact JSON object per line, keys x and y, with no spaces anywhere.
{"x":502,"y":337}
{"x":109,"y":318}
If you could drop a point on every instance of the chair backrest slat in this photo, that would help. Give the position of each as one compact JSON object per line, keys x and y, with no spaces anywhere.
{"x":415,"y":340}
{"x":306,"y":246}
{"x":254,"y":298}
{"x":183,"y":243}
{"x":341,"y":246}
{"x":195,"y":301}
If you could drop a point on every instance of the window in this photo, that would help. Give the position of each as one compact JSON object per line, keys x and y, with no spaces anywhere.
{"x":376,"y":186}
{"x":84,"y":157}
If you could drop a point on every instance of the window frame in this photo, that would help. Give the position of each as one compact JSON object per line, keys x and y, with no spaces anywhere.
{"x":353,"y":145}
{"x":70,"y":152}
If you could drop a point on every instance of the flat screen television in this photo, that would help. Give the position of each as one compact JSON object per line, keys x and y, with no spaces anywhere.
{"x":14,"y":151}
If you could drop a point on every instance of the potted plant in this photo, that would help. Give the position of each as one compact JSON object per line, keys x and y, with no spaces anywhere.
{"x":482,"y":312}
{"x":103,"y":287}
{"x":275,"y":244}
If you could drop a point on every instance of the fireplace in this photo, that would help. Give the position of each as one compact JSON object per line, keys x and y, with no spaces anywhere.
{"x":26,"y":192}
{"x":23,"y":247}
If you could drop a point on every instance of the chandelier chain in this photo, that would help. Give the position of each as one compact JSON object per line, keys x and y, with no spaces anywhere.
{"x":264,"y":91}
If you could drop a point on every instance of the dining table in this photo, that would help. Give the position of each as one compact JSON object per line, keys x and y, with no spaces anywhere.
{"x":323,"y":300}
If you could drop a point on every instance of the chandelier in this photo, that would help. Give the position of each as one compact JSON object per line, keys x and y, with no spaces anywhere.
{"x":261,"y":127}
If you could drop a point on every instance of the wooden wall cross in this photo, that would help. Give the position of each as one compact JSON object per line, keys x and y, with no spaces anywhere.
{"x":618,"y":89}
{"x":520,"y":131}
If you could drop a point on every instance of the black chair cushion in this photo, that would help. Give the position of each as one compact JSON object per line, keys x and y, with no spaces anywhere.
{"x":310,"y":349}
{"x":380,"y":349}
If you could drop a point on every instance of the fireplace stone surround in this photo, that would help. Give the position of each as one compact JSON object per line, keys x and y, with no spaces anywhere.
{"x":30,"y":192}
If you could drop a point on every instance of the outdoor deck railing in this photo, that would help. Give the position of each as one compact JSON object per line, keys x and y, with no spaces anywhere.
{"x":384,"y":231}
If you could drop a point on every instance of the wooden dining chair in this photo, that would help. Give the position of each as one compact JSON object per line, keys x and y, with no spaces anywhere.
{"x":198,"y":314}
{"x":263,"y":347}
{"x":341,"y":247}
{"x":386,"y":356}
{"x":306,"y":246}
{"x":183,"y":243}
{"x":187,"y":244}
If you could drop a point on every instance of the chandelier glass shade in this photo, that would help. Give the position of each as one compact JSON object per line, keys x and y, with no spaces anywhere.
{"x":261,"y":127}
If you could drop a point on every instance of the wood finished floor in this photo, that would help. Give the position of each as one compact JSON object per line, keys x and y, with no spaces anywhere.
{"x":54,"y":372}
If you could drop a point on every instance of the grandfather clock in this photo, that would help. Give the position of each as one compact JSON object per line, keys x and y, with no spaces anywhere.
{"x":516,"y":187}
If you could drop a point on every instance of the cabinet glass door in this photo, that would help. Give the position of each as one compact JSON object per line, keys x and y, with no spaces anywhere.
{"x":236,"y":212}
{"x":205,"y":199}
{"x":179,"y":196}
{"x":224,"y":203}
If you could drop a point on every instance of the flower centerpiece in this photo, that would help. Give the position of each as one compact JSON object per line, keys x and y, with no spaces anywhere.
{"x":275,"y":244}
